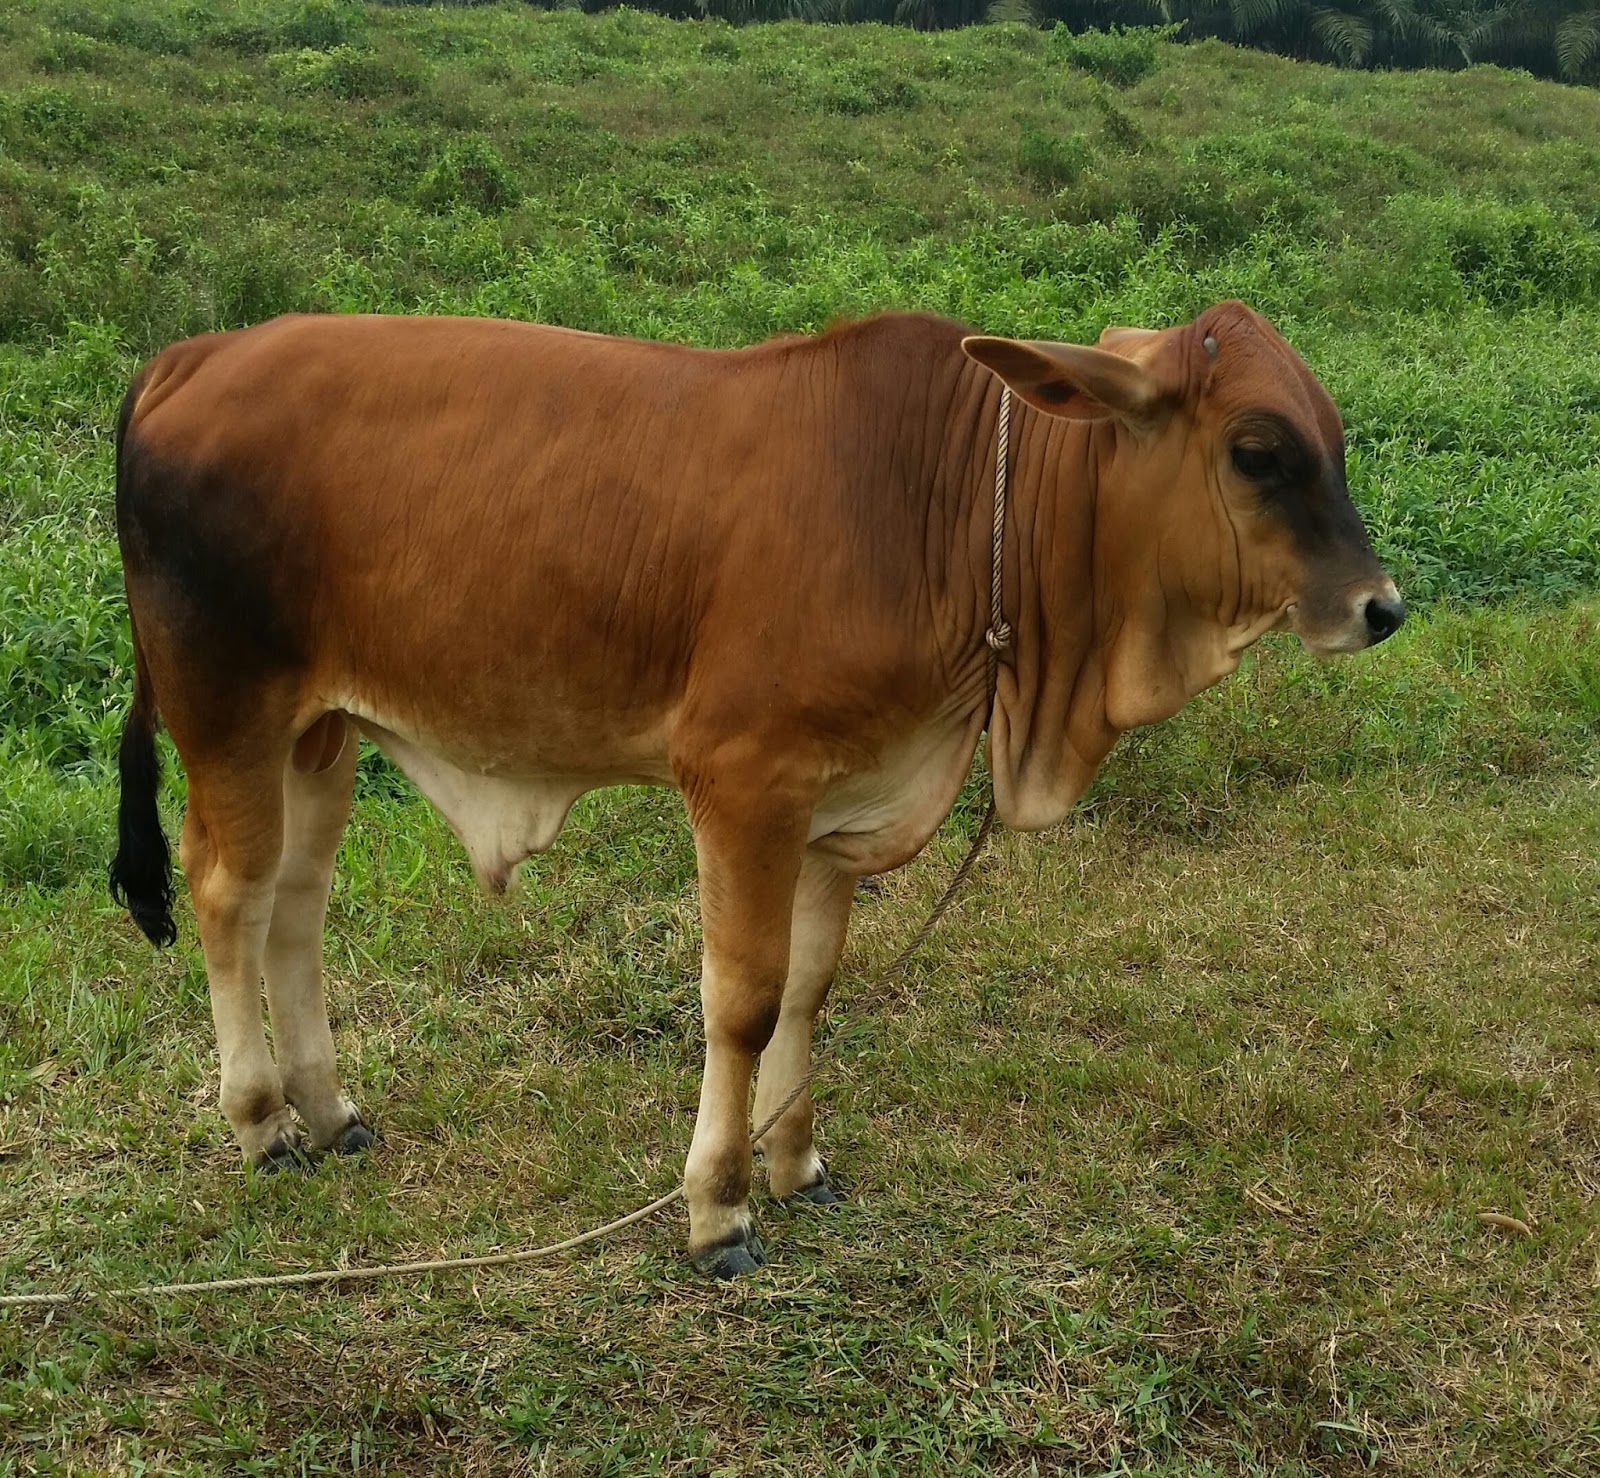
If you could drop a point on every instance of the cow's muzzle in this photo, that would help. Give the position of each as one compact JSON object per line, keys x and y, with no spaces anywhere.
{"x":1358,"y":618}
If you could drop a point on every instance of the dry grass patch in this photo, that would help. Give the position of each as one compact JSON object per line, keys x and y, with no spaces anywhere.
{"x":1170,"y":1152}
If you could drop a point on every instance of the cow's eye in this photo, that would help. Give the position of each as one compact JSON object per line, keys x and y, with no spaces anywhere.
{"x":1258,"y":463}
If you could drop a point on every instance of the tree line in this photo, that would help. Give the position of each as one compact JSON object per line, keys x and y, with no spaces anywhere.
{"x":1551,"y":38}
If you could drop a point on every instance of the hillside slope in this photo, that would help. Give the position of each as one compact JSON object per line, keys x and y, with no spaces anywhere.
{"x":1430,"y":240}
{"x":1168,"y":1153}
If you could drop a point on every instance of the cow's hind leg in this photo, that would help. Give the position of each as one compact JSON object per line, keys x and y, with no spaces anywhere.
{"x":231,"y":848}
{"x":317,"y":785}
{"x":821,"y":913}
{"x":749,"y":850}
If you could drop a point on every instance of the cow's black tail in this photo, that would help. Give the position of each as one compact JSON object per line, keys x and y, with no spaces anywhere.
{"x":141,"y":872}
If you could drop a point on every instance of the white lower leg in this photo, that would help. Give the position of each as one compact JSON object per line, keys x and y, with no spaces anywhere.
{"x":301,"y":1038}
{"x":316,"y":808}
{"x":788,"y":1147}
{"x":749,"y":854}
{"x":821,"y":914}
{"x":716,"y":1176}
{"x":234,"y":920}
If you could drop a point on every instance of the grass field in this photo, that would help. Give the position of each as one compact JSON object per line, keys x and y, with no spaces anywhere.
{"x":1168,"y":1154}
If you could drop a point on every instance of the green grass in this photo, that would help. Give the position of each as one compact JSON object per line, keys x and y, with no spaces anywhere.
{"x":1167,"y":1154}
{"x":1431,"y":242}
{"x":1368,"y":998}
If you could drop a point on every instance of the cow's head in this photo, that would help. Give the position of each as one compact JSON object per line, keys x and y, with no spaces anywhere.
{"x":1221,"y":510}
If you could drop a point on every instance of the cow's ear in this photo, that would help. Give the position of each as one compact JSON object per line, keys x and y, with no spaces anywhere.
{"x":1124,"y":339}
{"x":1071,"y":380}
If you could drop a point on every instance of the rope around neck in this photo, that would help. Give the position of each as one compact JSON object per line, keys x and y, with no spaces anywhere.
{"x":998,"y":636}
{"x":998,"y":639}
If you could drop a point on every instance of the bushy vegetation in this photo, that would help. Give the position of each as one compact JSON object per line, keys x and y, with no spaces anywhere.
{"x":1550,"y":38}
{"x":1169,"y":1155}
{"x":1120,"y":57}
{"x":1433,"y":247}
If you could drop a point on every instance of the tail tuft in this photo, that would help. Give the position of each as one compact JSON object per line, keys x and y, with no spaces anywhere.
{"x":141,"y":872}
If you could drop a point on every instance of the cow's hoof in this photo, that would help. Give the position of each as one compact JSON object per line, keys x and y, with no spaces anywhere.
{"x":354,"y":1139}
{"x":732,"y":1259}
{"x":823,"y":1191}
{"x":283,"y":1155}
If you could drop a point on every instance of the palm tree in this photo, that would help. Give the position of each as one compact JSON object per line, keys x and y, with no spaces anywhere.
{"x":1555,"y":38}
{"x":1574,"y":38}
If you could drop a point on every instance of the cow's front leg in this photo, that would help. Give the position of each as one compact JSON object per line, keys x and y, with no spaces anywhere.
{"x":749,"y":858}
{"x":821,"y":913}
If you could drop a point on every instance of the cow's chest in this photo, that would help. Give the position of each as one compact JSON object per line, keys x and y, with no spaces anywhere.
{"x":880,"y":818}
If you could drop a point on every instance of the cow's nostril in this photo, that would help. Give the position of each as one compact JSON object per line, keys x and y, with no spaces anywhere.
{"x":1384,"y":617}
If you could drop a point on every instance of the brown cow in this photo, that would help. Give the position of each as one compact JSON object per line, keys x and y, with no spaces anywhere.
{"x":527,"y":562}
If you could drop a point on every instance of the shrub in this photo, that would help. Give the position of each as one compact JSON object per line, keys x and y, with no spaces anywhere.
{"x":70,"y":52}
{"x":469,"y":172}
{"x":344,"y":71}
{"x":1051,"y":162}
{"x":866,"y":88}
{"x":242,"y":36}
{"x":64,"y":654}
{"x":321,"y":25}
{"x":51,"y":115}
{"x":1518,"y":255}
{"x":720,"y":47}
{"x":136,"y":26}
{"x":1119,"y":56}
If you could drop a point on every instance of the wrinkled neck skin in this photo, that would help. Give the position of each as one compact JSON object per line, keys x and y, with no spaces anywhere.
{"x":1105,"y":636}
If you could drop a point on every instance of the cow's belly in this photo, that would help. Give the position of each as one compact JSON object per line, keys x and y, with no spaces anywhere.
{"x":504,"y":809}
{"x":881,"y":818}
